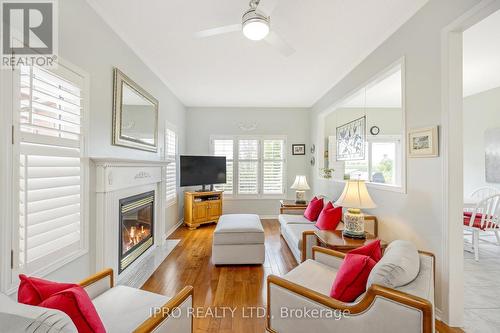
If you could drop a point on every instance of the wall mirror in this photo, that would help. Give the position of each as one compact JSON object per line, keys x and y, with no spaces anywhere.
{"x":135,"y":115}
{"x":365,"y":133}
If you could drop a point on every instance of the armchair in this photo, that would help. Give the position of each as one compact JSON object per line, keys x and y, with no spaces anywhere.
{"x":121,"y":309}
{"x":126,"y":309}
{"x":300,"y":301}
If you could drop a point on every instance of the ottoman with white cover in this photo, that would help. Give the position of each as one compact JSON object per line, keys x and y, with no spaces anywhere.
{"x":238,"y":239}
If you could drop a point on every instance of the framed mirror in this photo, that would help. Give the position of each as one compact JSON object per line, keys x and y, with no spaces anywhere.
{"x":135,"y":115}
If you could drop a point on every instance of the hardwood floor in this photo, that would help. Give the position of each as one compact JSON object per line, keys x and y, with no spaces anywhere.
{"x":219,"y":288}
{"x":222,"y":289}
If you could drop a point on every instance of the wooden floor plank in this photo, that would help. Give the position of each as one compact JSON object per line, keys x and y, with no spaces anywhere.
{"x":241,"y":287}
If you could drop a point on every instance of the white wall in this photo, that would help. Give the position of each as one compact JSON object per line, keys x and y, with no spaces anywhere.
{"x":481,"y":112}
{"x":415,"y":215}
{"x":294,"y":123}
{"x":86,"y":41}
{"x":388,"y":120}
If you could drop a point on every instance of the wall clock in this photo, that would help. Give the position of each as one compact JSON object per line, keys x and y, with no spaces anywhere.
{"x":374,"y":130}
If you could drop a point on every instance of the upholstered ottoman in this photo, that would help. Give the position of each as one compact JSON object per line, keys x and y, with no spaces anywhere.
{"x":238,"y":239}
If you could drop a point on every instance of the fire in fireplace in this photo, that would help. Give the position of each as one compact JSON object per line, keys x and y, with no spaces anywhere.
{"x":136,"y":227}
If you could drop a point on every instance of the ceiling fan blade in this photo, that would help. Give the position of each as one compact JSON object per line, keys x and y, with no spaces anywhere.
{"x":266,"y":7}
{"x":218,"y":31}
{"x":279,"y":44}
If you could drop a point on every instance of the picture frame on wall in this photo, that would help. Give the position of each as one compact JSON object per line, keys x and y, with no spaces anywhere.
{"x":298,"y":149}
{"x":351,"y":140}
{"x":423,"y":142}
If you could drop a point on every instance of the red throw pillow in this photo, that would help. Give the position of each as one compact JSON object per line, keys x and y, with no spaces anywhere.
{"x":329,"y":218}
{"x":313,"y":209}
{"x":372,"y":250}
{"x":33,"y":291}
{"x":77,"y":305}
{"x":351,"y":278}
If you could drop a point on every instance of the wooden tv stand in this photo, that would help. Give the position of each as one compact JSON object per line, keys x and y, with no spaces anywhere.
{"x":201,"y":208}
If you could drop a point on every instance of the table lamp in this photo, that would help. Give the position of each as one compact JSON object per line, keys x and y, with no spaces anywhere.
{"x":300,"y":186}
{"x":355,"y":197}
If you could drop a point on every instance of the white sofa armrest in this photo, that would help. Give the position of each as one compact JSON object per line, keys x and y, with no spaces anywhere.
{"x":173,"y":316}
{"x":98,"y":283}
{"x":294,"y":308}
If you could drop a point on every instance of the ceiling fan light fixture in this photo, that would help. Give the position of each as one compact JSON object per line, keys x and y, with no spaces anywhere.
{"x":255,"y":26}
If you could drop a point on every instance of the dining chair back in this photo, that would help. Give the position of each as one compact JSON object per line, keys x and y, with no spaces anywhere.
{"x":484,"y":192}
{"x":484,"y":218}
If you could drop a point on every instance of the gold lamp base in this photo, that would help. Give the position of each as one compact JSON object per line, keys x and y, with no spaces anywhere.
{"x":354,"y":224}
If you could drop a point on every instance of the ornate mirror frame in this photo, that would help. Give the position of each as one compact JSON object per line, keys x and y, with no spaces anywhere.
{"x":119,"y":79}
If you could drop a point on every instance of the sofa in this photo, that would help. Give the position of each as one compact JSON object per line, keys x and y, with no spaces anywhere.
{"x":298,"y":233}
{"x":122,"y":309}
{"x":299,"y":301}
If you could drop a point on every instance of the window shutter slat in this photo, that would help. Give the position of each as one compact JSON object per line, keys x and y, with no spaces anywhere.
{"x":171,"y":169}
{"x":225,"y":148}
{"x":273,"y":167}
{"x":50,"y":169}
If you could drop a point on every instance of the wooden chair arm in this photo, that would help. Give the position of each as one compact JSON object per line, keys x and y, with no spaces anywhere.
{"x":150,"y":324}
{"x":363,"y":305}
{"x":326,"y":251}
{"x":98,"y":276}
{"x":304,"y":243}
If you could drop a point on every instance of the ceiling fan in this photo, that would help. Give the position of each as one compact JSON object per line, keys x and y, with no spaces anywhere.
{"x":255,"y":25}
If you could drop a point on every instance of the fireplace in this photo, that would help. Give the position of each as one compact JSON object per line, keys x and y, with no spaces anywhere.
{"x":136,"y":227}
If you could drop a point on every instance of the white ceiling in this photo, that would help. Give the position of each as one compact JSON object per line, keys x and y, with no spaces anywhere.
{"x":330,"y":37}
{"x":482,"y":56}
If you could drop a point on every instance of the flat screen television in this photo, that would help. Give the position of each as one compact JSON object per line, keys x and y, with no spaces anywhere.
{"x":202,"y":170}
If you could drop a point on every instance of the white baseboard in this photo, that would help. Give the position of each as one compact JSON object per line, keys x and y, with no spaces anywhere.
{"x":171,"y":230}
{"x":268,"y":217}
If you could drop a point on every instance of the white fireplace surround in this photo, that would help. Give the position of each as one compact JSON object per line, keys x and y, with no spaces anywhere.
{"x":117,"y":179}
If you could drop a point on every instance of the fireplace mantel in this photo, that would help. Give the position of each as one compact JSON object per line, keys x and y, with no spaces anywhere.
{"x":114,"y":174}
{"x":116,"y":179}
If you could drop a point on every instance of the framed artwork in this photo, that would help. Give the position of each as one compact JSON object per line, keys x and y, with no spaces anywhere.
{"x":492,"y":155}
{"x":351,"y":140}
{"x":423,"y":142}
{"x":299,"y":149}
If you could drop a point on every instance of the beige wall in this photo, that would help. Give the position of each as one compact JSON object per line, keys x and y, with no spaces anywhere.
{"x":292,"y":123}
{"x":481,"y":112}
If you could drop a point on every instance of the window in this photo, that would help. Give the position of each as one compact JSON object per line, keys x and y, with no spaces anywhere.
{"x":259,"y":168}
{"x":225,"y":148}
{"x":171,"y":169}
{"x":273,"y":167}
{"x":381,"y":163}
{"x":248,"y":166}
{"x":51,"y":171}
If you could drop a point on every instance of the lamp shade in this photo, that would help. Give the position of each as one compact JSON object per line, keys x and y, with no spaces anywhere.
{"x":355,"y":195}
{"x":300,"y":184}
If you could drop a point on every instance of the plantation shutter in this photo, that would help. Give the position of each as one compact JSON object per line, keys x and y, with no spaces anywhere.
{"x":50,"y":171}
{"x":225,"y":148}
{"x":248,"y":166}
{"x":273,"y":166}
{"x":171,"y":169}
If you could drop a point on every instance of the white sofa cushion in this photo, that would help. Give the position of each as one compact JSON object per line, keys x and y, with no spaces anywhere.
{"x":294,"y":233}
{"x":399,"y":265}
{"x":122,"y":308}
{"x":313,"y":275}
{"x":21,"y":318}
{"x":239,"y":229}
